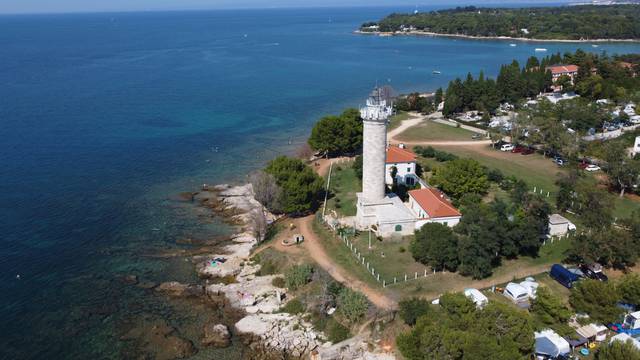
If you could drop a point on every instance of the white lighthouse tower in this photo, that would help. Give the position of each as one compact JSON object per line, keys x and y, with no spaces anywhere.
{"x":384,"y":214}
{"x":375,"y":116}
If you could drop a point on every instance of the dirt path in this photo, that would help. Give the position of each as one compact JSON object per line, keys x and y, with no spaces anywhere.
{"x":416,"y":120}
{"x":319,"y":255}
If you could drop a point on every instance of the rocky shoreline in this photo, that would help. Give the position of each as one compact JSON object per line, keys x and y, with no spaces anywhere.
{"x":268,"y":332}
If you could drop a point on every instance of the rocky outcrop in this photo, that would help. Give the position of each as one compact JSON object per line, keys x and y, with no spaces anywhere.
{"x":285,"y":333}
{"x":255,"y":295}
{"x":356,"y":348}
{"x":174,"y":288}
{"x":216,"y":335}
{"x":160,"y":341}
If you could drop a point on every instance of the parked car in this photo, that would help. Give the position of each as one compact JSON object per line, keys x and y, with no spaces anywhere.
{"x":594,"y":271}
{"x":592,"y":168}
{"x":565,"y":277}
{"x":560,"y":161}
{"x":507,"y":147}
{"x":518,"y":149}
{"x":476,"y":136}
{"x":527,"y":151}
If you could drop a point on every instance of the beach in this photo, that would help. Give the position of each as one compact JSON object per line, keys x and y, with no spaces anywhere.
{"x":498,"y":38}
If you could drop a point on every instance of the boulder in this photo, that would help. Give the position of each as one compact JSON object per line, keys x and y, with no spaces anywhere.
{"x":216,"y":335}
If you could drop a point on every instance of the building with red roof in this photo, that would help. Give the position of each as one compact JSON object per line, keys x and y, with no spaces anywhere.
{"x":558,"y":71}
{"x":404,"y":161}
{"x":432,"y":205}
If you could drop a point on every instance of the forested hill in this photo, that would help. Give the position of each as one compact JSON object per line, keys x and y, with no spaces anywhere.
{"x":562,"y":23}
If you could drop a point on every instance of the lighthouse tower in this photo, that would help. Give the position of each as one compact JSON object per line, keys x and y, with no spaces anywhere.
{"x":374,"y":151}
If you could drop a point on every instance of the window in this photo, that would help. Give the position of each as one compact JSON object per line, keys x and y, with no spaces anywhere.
{"x":408,"y":169}
{"x":398,"y":227}
{"x":445,"y":223}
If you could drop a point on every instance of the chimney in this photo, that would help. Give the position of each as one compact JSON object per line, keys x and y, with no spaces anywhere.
{"x":402,"y":146}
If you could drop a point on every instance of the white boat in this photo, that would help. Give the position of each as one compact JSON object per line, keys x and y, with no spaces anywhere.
{"x":541,"y":49}
{"x":436,"y":72}
{"x":513,"y":45}
{"x":594,"y":45}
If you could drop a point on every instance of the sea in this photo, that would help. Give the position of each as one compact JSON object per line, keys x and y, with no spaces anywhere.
{"x":105,"y":119}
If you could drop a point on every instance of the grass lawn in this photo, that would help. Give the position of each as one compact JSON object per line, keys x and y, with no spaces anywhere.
{"x":343,"y":188}
{"x":534,"y":169}
{"x":397,"y":119}
{"x":341,"y":255}
{"x":433,"y":131}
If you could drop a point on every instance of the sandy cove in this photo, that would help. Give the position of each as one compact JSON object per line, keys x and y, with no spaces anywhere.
{"x":503,"y":38}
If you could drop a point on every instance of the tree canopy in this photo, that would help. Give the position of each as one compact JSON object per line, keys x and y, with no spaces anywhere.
{"x":337,"y":135}
{"x":460,"y":177}
{"x":565,"y":22}
{"x":301,"y":186}
{"x":457,"y":330}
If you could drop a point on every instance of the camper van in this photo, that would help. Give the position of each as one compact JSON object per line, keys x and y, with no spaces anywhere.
{"x":565,"y":277}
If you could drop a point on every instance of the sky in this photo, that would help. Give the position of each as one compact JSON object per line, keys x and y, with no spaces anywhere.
{"x":63,"y":6}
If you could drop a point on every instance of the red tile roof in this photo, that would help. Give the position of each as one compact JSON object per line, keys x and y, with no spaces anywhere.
{"x":434,"y":203}
{"x":563,"y":69}
{"x":398,"y":155}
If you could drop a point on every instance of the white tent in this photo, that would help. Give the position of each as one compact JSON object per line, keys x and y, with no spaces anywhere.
{"x":531,"y":286}
{"x":477,"y":297}
{"x":549,"y":343}
{"x":624,"y":338}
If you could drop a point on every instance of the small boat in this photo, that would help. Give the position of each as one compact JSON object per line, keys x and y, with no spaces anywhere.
{"x":541,"y":49}
{"x":436,"y":72}
{"x":513,"y":45}
{"x":594,"y":45}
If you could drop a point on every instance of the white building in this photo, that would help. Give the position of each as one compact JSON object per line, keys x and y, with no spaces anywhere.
{"x":404,"y":161}
{"x":636,"y":146}
{"x":559,"y":225}
{"x":431,"y":205}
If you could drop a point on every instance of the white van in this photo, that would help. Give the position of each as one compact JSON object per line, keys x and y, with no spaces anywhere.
{"x":516,"y":293}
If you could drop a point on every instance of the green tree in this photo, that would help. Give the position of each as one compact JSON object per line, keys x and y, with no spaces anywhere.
{"x":629,"y":288}
{"x":622,"y":170}
{"x":298,"y":276}
{"x":460,"y":177}
{"x":301,"y":186}
{"x":598,"y":299}
{"x":618,"y":350}
{"x":412,"y":309}
{"x":352,"y":305}
{"x":438,"y":96}
{"x":437,"y":246}
{"x":548,"y":308}
{"x":336,"y":135}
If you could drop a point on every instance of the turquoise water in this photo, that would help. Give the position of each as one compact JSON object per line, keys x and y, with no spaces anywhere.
{"x":106,"y":117}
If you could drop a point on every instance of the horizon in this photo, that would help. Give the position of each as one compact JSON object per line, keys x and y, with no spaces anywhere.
{"x":43,"y":7}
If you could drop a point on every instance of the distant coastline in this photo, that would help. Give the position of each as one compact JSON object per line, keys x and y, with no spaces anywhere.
{"x":505,"y":38}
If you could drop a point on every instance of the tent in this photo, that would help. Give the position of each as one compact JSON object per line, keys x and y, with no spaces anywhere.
{"x":477,"y":297}
{"x":624,"y":338}
{"x":549,"y":343}
{"x":531,"y":287}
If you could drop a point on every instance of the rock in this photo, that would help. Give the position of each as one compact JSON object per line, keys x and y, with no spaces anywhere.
{"x":147,"y":285}
{"x":216,"y":335}
{"x":174,"y":288}
{"x":176,"y":348}
{"x":130,"y":279}
{"x":159,"y":341}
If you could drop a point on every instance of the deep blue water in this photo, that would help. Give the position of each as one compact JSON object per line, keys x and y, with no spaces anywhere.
{"x":104,"y":117}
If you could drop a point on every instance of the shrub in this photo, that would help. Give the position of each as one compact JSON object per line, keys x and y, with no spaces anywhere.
{"x":298,"y":275}
{"x":495,"y":175}
{"x":352,"y":304}
{"x":278,"y":282}
{"x":336,"y":332}
{"x":412,"y":309}
{"x":293,"y":307}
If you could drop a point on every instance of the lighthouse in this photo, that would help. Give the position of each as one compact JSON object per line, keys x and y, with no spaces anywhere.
{"x":382,"y":213}
{"x":375,"y":117}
